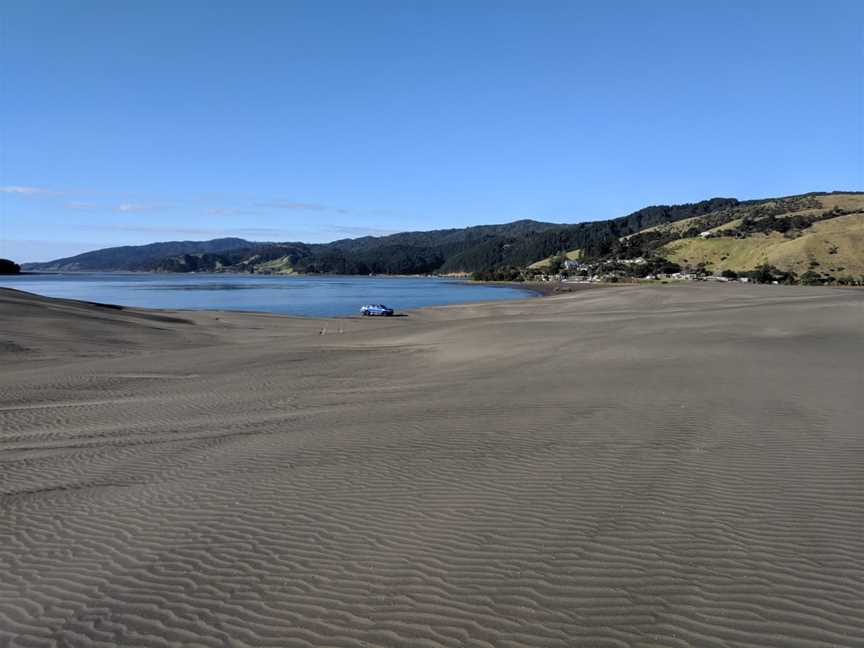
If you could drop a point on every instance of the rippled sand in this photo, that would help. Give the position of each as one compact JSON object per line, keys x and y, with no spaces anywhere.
{"x":640,"y":466}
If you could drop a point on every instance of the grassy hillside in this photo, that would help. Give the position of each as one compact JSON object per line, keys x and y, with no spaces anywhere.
{"x":572,"y":255}
{"x":821,"y":233}
{"x":834,"y":247}
{"x":282,"y":265}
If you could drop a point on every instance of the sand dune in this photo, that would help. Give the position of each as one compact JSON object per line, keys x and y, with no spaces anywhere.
{"x":644,"y":466}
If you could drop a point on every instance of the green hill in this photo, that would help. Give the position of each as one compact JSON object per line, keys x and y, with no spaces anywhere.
{"x":135,"y":257}
{"x":480,"y":249}
{"x":817,"y":233}
{"x":797,"y":233}
{"x":833,"y":247}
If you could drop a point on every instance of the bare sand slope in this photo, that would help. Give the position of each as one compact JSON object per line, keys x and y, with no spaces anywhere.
{"x":646,"y":466}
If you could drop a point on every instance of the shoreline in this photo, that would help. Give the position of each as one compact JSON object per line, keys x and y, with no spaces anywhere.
{"x":216,"y":311}
{"x":547,"y":288}
{"x":540,"y":290}
{"x":447,"y":298}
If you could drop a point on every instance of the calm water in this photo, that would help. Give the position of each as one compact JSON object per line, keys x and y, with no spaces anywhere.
{"x":307,"y":295}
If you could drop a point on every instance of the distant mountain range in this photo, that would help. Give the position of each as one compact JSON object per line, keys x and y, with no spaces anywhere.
{"x":439,"y":251}
{"x":480,"y":249}
{"x":136,"y":257}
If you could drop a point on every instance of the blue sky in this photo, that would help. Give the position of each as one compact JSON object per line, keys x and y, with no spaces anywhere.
{"x":132,"y":122}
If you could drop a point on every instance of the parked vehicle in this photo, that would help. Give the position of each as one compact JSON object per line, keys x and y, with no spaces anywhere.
{"x":376,"y":309}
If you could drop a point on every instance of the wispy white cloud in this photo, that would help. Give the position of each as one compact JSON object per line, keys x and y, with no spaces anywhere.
{"x":278,"y":204}
{"x":262,"y":231}
{"x":168,"y":230}
{"x":192,"y":231}
{"x":132,"y":207}
{"x":27,"y":250}
{"x":228,"y":211}
{"x":256,"y":233}
{"x":81,"y":205}
{"x":27,"y":191}
{"x":122,"y":207}
{"x":354,"y":230}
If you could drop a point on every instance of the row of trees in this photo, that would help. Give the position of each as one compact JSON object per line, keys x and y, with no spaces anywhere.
{"x":658,"y":266}
{"x":599,"y":238}
{"x":8,"y":267}
{"x":769,"y":274}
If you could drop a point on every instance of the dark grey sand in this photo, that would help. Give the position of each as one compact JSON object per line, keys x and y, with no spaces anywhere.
{"x":644,"y":466}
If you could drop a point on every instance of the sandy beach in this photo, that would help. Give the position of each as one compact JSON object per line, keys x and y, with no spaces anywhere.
{"x":660,"y":466}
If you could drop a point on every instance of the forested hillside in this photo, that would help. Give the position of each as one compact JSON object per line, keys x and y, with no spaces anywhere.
{"x":811,"y":238}
{"x":136,"y":257}
{"x":715,"y":234}
{"x":522,"y":251}
{"x":484,"y":249}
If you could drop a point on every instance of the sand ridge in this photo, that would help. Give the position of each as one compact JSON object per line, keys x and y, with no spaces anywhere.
{"x":644,"y":466}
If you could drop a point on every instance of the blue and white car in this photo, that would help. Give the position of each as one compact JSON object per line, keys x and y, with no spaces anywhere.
{"x":376,"y":309}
